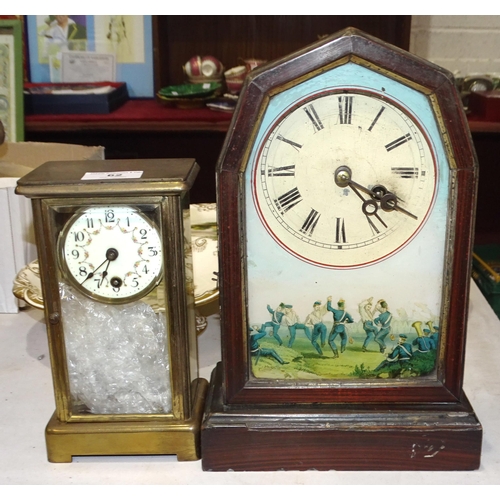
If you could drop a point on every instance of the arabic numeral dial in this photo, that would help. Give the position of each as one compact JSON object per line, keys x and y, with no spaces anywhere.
{"x":112,"y":253}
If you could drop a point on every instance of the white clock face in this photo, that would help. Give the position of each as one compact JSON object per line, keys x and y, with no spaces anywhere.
{"x":344,"y":179}
{"x":112,"y":253}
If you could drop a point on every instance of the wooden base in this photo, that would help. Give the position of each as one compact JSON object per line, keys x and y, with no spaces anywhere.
{"x":182,"y":438}
{"x":378,"y":437}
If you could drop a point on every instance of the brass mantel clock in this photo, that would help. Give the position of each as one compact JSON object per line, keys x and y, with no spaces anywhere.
{"x":346,"y":207}
{"x":114,"y":250}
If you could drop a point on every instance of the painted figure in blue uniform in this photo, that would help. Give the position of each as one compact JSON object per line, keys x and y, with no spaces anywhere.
{"x":314,"y":322}
{"x":383,"y":320}
{"x":366,"y":311}
{"x":276,"y":317}
{"x":423,"y":342}
{"x":434,"y":335}
{"x":401,"y":352}
{"x":340,"y":318}
{"x":258,"y":351}
{"x":292,"y":320}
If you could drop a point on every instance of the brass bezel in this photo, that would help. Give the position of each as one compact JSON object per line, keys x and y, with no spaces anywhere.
{"x":64,"y":268}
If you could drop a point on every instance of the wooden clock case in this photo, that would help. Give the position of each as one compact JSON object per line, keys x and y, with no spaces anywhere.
{"x":263,"y":426}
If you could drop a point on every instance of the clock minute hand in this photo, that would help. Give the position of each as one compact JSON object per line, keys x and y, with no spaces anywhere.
{"x":92,"y":273}
{"x":343,"y":178}
{"x":389,"y":202}
{"x":355,"y":185}
{"x":111,"y":254}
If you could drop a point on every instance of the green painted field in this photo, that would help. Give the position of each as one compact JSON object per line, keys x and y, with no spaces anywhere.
{"x":304,"y":363}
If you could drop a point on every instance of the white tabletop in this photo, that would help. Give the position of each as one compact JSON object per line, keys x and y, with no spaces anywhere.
{"x":27,"y":403}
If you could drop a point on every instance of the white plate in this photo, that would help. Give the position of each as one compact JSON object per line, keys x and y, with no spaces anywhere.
{"x":27,"y":285}
{"x":205,"y":252}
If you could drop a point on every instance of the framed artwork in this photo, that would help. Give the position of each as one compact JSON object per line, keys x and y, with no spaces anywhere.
{"x":11,"y":79}
{"x":128,"y":38}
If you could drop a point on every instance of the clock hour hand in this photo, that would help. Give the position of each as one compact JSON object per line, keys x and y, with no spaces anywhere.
{"x":388,"y":201}
{"x":92,"y":273}
{"x":104,"y":273}
{"x":369,"y":207}
{"x":343,"y":178}
{"x":111,"y":254}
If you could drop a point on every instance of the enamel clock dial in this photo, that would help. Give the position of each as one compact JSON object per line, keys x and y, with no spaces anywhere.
{"x":344,"y":179}
{"x":111,"y":253}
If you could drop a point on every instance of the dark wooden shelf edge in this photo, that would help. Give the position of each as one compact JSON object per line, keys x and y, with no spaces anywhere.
{"x":135,"y":126}
{"x":484,"y":127}
{"x":173,"y":126}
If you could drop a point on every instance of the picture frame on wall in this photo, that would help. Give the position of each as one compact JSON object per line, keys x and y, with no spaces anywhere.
{"x":128,"y":38}
{"x":11,"y":79}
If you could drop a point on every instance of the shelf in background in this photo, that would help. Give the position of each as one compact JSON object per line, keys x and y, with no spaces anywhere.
{"x":150,"y":115}
{"x":141,"y":115}
{"x":477,"y":126}
{"x":145,"y":128}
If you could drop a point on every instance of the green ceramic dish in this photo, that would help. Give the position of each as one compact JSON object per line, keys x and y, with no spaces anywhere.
{"x":190,"y":90}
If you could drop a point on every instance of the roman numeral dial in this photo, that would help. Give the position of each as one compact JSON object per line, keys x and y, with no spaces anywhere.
{"x":313,"y":116}
{"x":310,"y":222}
{"x":288,"y":200}
{"x":317,"y":216}
{"x":286,"y":171}
{"x":345,"y":109}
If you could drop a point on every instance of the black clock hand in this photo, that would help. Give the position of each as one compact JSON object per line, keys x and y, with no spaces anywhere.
{"x":355,"y":185}
{"x":104,"y":273}
{"x":388,"y":201}
{"x":369,"y":207}
{"x":343,"y":178}
{"x":92,"y":273}
{"x":111,"y":254}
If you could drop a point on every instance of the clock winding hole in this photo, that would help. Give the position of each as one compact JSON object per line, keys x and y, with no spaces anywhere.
{"x":116,"y":282}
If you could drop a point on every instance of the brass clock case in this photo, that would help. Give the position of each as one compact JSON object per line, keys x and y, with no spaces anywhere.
{"x":132,"y":332}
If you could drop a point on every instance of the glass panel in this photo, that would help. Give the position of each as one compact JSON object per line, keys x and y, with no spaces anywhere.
{"x":113,"y":308}
{"x":190,"y":286}
{"x":346,"y":225}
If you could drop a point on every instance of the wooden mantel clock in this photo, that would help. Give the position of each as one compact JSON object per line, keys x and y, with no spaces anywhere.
{"x":114,"y":251}
{"x":346,"y":198}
